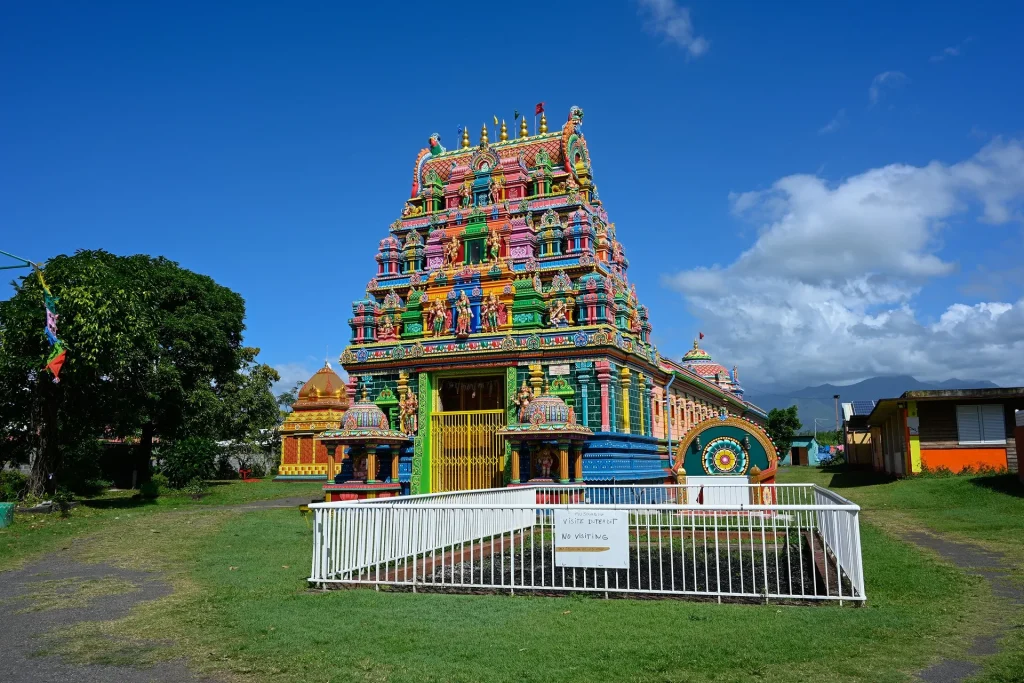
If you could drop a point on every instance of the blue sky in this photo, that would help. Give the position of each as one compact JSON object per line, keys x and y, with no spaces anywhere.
{"x":827,"y":190}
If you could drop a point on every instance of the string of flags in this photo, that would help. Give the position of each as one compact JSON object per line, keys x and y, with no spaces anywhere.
{"x":58,"y":353}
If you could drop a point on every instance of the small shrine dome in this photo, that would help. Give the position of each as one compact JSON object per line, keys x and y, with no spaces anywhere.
{"x":547,"y":417}
{"x":364,"y":422}
{"x":700,"y":362}
{"x":325,"y":389}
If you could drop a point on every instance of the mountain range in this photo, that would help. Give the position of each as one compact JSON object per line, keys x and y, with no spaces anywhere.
{"x":817,"y":402}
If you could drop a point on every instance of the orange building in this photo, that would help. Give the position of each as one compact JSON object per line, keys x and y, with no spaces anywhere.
{"x":955,"y":430}
{"x":321,"y":404}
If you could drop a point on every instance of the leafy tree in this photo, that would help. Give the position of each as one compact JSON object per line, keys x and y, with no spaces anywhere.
{"x":783,"y":424}
{"x":188,"y":459}
{"x":154,"y":352}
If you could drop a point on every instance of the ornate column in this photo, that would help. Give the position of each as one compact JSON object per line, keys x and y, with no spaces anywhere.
{"x":371,"y":463}
{"x":627,"y":381}
{"x":584,"y":375}
{"x":578,"y":464}
{"x":331,"y":448}
{"x":603,"y":375}
{"x":536,"y":379}
{"x":648,"y":400}
{"x":563,"y":462}
{"x":394,"y":463}
{"x":514,"y":474}
{"x":642,"y":403}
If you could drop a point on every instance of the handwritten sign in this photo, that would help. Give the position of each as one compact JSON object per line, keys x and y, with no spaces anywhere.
{"x":592,"y":538}
{"x":555,"y":370}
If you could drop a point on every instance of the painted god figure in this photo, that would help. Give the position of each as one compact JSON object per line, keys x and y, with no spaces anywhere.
{"x":386,"y":329}
{"x":451,"y":252}
{"x":439,"y":317}
{"x":557,"y":314}
{"x":465,"y":316}
{"x":465,"y":195}
{"x":522,"y":401}
{"x":409,"y":406}
{"x":493,"y":313}
{"x":545,"y":460}
{"x":493,"y":246}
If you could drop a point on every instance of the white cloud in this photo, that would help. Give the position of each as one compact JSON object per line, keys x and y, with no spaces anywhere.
{"x":291,"y":374}
{"x":885,"y":80}
{"x":951,"y":52}
{"x":837,"y":122}
{"x":665,"y":17}
{"x":827,"y":291}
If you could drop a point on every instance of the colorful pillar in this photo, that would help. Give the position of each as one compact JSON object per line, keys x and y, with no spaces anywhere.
{"x":371,"y":463}
{"x":584,"y":375}
{"x":514,"y":474}
{"x":578,"y":464}
{"x":603,"y":375}
{"x":563,"y":462}
{"x":394,"y":464}
{"x":626,"y":381}
{"x":913,"y":439}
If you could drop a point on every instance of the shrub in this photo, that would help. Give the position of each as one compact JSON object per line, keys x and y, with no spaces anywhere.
{"x":258,"y":470}
{"x":12,"y":485}
{"x":62,"y":499}
{"x":225,"y":470}
{"x":188,"y":459}
{"x":149,"y":490}
{"x":196,"y":488}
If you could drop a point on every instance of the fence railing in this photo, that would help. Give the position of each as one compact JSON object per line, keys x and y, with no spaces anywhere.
{"x":804,"y":544}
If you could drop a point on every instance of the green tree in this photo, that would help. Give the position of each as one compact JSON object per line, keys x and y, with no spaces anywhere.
{"x":783,"y":424}
{"x":154,"y":352}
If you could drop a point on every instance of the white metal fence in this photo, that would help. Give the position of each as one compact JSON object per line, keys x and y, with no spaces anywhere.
{"x":804,"y":544}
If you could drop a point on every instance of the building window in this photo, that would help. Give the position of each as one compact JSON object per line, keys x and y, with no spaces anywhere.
{"x":980,"y":424}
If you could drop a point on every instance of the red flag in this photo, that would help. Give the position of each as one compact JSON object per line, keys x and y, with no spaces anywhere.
{"x":701,"y":334}
{"x":539,"y":109}
{"x":55,"y":365}
{"x":700,"y":496}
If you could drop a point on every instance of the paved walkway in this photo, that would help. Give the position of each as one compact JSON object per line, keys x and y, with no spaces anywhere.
{"x":989,"y":565}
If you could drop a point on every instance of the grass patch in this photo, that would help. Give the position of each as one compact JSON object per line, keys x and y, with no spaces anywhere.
{"x":34,"y":534}
{"x":241,"y":607}
{"x":70,"y":593}
{"x":983,"y":509}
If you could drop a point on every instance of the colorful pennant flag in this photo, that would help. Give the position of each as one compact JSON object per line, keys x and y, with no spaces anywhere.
{"x":701,"y":334}
{"x":58,"y":354}
{"x":539,"y":109}
{"x":517,"y":116}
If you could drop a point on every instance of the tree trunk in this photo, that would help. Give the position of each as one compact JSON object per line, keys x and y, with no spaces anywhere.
{"x":146,"y":450}
{"x":46,"y":464}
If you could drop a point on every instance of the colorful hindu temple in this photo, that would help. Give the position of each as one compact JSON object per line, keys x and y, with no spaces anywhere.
{"x":500,"y":342}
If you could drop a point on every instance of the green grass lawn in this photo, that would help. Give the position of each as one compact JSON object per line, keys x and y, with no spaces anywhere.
{"x":241,"y":608}
{"x":32,"y":534}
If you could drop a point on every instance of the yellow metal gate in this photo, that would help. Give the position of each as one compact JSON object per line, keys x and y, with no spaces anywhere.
{"x":466,"y":451}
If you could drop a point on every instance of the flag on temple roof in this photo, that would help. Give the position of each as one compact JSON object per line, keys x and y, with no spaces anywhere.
{"x":701,"y":334}
{"x":539,"y":109}
{"x":516,"y":116}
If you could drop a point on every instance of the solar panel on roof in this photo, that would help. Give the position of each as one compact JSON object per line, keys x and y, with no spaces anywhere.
{"x":863,"y":407}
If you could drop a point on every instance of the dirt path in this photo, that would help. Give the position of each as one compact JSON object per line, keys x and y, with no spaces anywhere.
{"x":994,"y":568}
{"x":58,"y":591}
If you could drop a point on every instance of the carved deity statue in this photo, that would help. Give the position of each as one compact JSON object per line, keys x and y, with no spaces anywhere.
{"x":545,"y":461}
{"x":465,"y":194}
{"x":409,"y":406}
{"x":495,"y":186}
{"x":438,"y":318}
{"x":634,"y":322}
{"x":465,"y":316}
{"x":557,"y":314}
{"x":451,"y":252}
{"x":493,"y":246}
{"x":522,"y":400}
{"x":493,"y":313}
{"x":386,"y":329}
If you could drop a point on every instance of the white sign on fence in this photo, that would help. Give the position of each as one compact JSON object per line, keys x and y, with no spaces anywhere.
{"x":558,"y":370}
{"x":592,"y":538}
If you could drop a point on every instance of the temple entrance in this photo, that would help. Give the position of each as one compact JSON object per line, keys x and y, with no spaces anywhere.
{"x":465,"y":450}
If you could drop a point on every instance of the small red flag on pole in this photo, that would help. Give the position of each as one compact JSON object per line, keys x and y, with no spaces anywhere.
{"x":701,"y":334}
{"x":539,"y":109}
